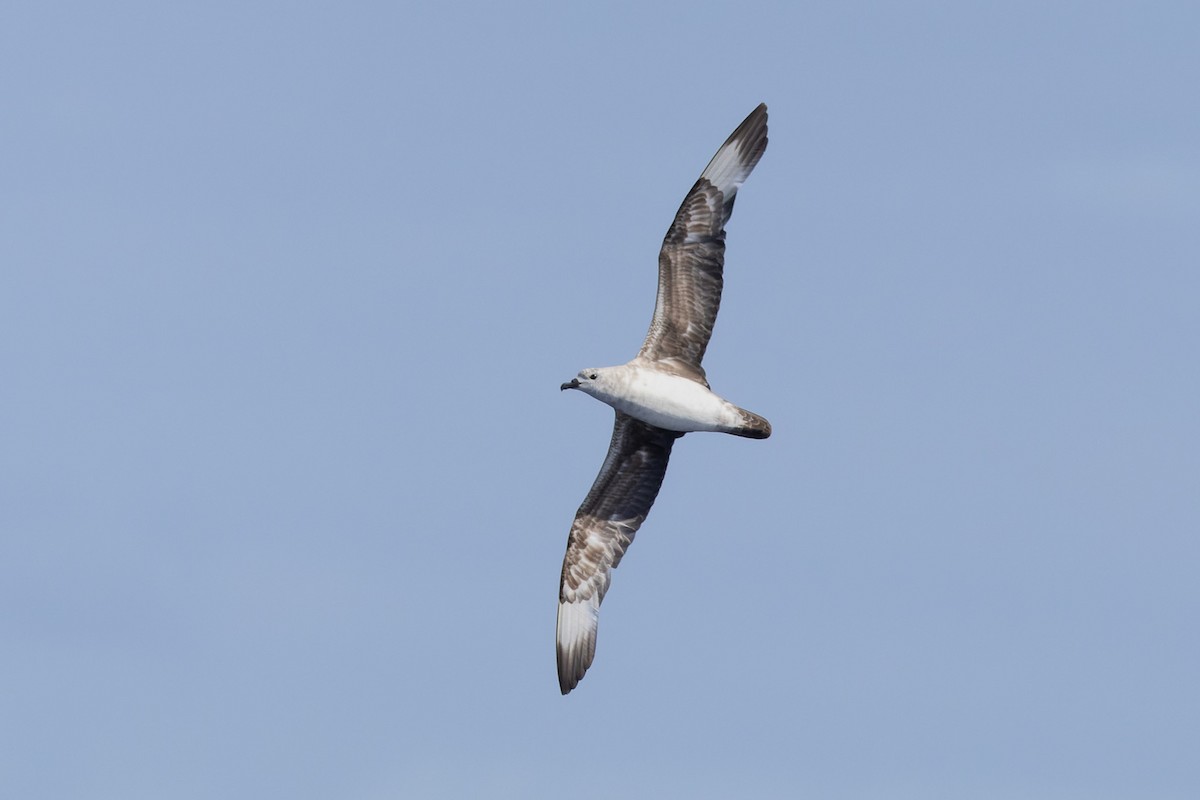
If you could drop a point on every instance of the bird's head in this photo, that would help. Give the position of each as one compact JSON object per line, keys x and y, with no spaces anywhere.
{"x":587,"y":380}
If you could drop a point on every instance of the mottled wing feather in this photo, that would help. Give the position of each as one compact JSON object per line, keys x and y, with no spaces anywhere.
{"x":604,"y":526}
{"x":692,"y":259}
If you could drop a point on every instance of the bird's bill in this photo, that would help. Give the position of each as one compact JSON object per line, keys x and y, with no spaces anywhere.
{"x":571,"y":384}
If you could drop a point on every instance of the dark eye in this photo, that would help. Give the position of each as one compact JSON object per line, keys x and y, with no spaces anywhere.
{"x":592,"y":376}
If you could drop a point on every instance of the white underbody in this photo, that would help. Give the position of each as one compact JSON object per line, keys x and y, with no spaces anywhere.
{"x":665,"y":400}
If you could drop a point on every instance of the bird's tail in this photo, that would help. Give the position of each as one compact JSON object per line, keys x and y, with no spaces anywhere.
{"x":752,"y":426}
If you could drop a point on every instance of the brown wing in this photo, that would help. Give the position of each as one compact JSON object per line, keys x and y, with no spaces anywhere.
{"x":692,"y":258}
{"x":604,"y":526}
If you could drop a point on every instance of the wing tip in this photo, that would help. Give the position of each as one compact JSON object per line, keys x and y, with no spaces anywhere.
{"x":577,"y":624}
{"x":739,"y":154}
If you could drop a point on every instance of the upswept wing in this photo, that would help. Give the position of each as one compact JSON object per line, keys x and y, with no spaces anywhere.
{"x":692,"y":258}
{"x":604,"y":526}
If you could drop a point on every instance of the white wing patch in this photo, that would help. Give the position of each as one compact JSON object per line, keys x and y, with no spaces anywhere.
{"x":727,"y":171}
{"x":578,"y":621}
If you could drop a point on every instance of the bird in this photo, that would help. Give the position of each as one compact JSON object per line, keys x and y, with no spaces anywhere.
{"x":659,"y":396}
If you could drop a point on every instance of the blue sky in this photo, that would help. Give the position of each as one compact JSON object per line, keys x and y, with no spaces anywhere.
{"x":286,"y":295}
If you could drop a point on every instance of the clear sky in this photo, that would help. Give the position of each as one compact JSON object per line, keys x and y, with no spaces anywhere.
{"x":287,"y":291}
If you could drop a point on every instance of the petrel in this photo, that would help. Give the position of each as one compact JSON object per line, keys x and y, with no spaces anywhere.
{"x":658,"y":396}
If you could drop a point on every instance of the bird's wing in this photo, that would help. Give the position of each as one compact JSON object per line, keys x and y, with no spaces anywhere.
{"x":604,"y":526}
{"x":692,"y":258}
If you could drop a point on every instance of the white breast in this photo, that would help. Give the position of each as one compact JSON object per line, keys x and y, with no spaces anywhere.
{"x":671,"y":402}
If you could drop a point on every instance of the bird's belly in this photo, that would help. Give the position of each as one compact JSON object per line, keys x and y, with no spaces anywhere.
{"x":674,"y":403}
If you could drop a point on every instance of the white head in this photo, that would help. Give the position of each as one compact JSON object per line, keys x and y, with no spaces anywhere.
{"x":595,"y":381}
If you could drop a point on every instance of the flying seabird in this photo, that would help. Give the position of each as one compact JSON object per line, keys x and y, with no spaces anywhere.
{"x":658,"y":396}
